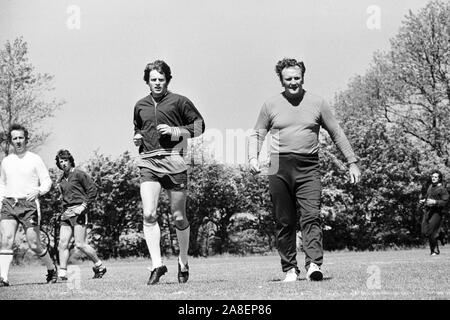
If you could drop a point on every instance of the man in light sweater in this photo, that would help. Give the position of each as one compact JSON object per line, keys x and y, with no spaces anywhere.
{"x":294,"y":118}
{"x":23,"y":179}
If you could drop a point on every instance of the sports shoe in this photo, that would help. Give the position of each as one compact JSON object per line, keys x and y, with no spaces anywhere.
{"x":314,"y":273}
{"x":441,"y":237}
{"x":62,"y":275}
{"x":98,"y":272}
{"x":435,"y":252}
{"x":52,"y":276}
{"x":183,"y":276}
{"x":291,"y":275}
{"x":156,"y":274}
{"x":3,"y":283}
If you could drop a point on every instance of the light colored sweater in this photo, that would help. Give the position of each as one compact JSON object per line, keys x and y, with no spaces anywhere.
{"x":295,"y":127}
{"x":21,"y":175}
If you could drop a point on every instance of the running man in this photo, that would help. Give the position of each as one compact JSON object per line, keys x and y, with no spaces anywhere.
{"x":434,"y":205}
{"x":163,"y":121}
{"x":294,"y":118}
{"x":78,"y":191}
{"x":24,"y":177}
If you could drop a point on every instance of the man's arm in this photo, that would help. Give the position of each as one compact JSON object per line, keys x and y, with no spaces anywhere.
{"x":256,"y":139}
{"x":44,"y":177}
{"x":192,"y":125}
{"x":2,"y":185}
{"x":89,"y":187}
{"x":45,"y":183}
{"x":443,"y":200}
{"x":137,"y":122}
{"x":331,"y":125}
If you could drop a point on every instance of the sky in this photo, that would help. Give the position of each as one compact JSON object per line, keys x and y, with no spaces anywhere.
{"x":222,"y":55}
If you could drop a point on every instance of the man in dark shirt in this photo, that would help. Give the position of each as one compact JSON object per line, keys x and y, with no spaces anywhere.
{"x":78,"y":191}
{"x":294,"y":118}
{"x":434,"y":204}
{"x":163,"y":122}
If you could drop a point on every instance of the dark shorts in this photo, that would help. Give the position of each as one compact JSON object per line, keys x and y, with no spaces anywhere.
{"x":72,"y":221}
{"x":175,"y":182}
{"x":23,"y":211}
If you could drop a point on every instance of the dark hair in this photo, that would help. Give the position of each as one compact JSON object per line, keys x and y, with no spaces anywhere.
{"x":64,"y":155}
{"x":161,"y":67}
{"x":17,"y":127}
{"x":288,"y":62}
{"x":441,"y":176}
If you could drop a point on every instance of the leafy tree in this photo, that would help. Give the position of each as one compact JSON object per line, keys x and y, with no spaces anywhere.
{"x":258,"y":203}
{"x":215,"y":195}
{"x":413,"y":78}
{"x":382,"y":210}
{"x":116,"y":214}
{"x":23,"y":94}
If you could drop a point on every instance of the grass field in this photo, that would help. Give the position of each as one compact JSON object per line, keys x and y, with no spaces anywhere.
{"x":402,"y":274}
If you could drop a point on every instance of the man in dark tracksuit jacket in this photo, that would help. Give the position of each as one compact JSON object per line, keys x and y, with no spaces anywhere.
{"x":163,"y":122}
{"x":434,"y":205}
{"x":294,"y":118}
{"x":78,"y":191}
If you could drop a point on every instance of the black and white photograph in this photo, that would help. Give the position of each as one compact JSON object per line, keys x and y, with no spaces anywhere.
{"x":220,"y":157}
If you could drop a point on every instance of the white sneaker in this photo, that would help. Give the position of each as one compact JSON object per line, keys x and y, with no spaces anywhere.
{"x":62,"y":274}
{"x":291,"y":275}
{"x":314,"y":273}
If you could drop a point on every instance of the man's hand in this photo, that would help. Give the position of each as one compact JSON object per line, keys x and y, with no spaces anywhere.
{"x":430,"y":202}
{"x":254,"y":166}
{"x":137,"y":139}
{"x":355,"y":173}
{"x":79,"y":209}
{"x":174,"y":132}
{"x":164,"y":129}
{"x":32,"y":195}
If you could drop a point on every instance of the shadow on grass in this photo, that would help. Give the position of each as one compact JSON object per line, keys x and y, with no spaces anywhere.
{"x":193,"y":281}
{"x":35,"y":284}
{"x":302,"y":279}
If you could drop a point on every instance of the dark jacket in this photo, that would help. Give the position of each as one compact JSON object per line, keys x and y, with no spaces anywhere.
{"x":174,"y":110}
{"x":440,"y":194}
{"x":77,"y":187}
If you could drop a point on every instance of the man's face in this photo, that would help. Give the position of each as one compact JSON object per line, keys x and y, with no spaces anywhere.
{"x":65,"y":164}
{"x":291,"y":80}
{"x":18,"y":141}
{"x":157,"y":83}
{"x":434,"y":178}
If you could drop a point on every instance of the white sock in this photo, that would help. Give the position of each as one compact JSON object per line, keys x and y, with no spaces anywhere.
{"x":183,"y":243}
{"x":98,"y":263}
{"x":6,"y":257}
{"x":152,"y":235}
{"x":62,"y":272}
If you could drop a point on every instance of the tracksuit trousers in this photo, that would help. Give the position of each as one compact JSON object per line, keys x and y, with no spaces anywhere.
{"x":431,"y":223}
{"x":296,"y":187}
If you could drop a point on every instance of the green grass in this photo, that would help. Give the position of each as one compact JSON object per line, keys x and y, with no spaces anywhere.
{"x":403,"y":274}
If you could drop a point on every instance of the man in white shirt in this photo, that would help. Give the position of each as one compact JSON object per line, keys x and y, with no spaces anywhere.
{"x":24,"y":177}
